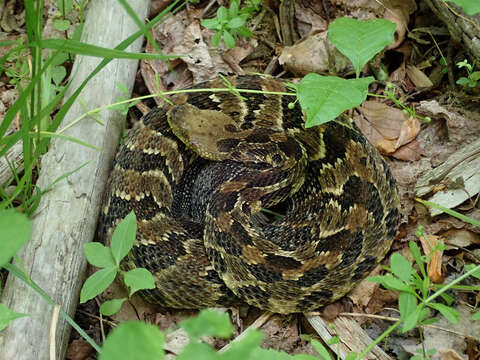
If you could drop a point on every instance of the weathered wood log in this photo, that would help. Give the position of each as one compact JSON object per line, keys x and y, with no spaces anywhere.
{"x":15,"y":161}
{"x":67,"y":215}
{"x":464,"y":29}
{"x":352,"y":337}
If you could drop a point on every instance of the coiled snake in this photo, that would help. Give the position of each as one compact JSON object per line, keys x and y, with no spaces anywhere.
{"x":199,"y":175}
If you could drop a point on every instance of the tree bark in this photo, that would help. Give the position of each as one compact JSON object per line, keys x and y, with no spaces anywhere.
{"x":67,"y":215}
{"x":464,"y":29}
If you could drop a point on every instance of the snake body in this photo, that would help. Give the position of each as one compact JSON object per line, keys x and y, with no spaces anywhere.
{"x":199,"y":177}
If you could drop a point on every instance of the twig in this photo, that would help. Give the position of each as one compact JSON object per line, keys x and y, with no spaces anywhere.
{"x":262,"y":319}
{"x":108,"y":322}
{"x":387,"y":318}
{"x":53,"y":329}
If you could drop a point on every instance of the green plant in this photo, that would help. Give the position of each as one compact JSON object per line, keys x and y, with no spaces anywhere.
{"x":407,"y":110}
{"x":472,"y":76}
{"x":323,"y":98}
{"x":40,"y":91}
{"x":108,"y":260}
{"x":469,"y":6}
{"x":230,"y":23}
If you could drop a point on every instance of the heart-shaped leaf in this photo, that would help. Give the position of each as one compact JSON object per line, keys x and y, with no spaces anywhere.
{"x":323,"y":98}
{"x":359,"y":40}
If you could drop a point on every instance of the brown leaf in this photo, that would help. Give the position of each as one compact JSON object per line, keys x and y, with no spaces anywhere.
{"x":79,"y":350}
{"x":309,"y":17}
{"x":429,"y":242}
{"x":314,"y":54}
{"x":363,"y":292}
{"x":388,"y":129}
{"x":409,"y":152}
{"x":331,"y":311}
{"x":408,"y":131}
{"x":418,"y":77}
{"x":461,"y":238}
{"x":449,"y":354}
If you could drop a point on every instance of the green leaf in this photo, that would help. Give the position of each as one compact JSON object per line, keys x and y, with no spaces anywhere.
{"x":123,"y":88}
{"x":411,"y":320}
{"x":222,"y":14}
{"x":110,"y":307}
{"x":210,"y":23}
{"x":392,"y":283}
{"x":61,"y":25}
{"x":464,"y":63}
{"x":47,"y":134}
{"x":476,"y":273}
{"x":447,"y":298}
{"x":322,"y":350}
{"x":65,"y":6}
{"x":243,"y":348}
{"x":15,"y":232}
{"x":270,"y":354}
{"x":77,"y":47}
{"x":451,"y":212}
{"x":233,"y":9}
{"x":208,"y":323}
{"x":323,"y":98}
{"x":229,"y":40}
{"x":243,"y":31}
{"x":450,"y":313}
{"x":197,"y":351}
{"x":123,"y":237}
{"x":475,"y":316}
{"x":475,"y":76}
{"x":236,"y":23}
{"x":407,"y":303}
{"x":359,"y":40}
{"x":58,"y":74}
{"x":352,"y":356}
{"x":138,"y":279}
{"x":7,"y":316}
{"x":417,"y":255}
{"x":134,"y":340}
{"x":98,"y":255}
{"x":471,"y":7}
{"x":216,"y":39}
{"x":401,"y":267}
{"x":424,"y":314}
{"x":97,"y":283}
{"x":462,"y":81}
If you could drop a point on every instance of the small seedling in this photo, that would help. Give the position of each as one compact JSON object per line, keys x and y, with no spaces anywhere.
{"x":472,"y":76}
{"x":230,"y":23}
{"x":108,"y":260}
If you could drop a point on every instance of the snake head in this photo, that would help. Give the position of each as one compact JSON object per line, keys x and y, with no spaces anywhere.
{"x":198,"y":129}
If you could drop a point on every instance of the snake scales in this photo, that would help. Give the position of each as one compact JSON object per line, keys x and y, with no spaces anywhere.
{"x":199,"y":175}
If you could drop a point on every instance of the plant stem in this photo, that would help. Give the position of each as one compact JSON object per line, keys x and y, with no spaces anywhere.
{"x":378,"y":339}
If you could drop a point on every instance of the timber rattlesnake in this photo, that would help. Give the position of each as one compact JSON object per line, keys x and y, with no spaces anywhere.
{"x":199,"y":200}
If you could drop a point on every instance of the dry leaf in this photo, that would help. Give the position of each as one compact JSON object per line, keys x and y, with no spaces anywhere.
{"x":461,"y":238}
{"x":363,"y":292}
{"x":408,"y":131}
{"x":429,"y":242}
{"x":449,"y":354}
{"x":309,"y":18}
{"x":388,"y":130}
{"x":79,"y":350}
{"x":410,"y":152}
{"x":314,"y":54}
{"x":418,"y":77}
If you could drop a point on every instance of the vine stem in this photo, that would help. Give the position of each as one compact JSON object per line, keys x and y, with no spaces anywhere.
{"x":27,"y":280}
{"x":167,"y":93}
{"x":378,"y":339}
